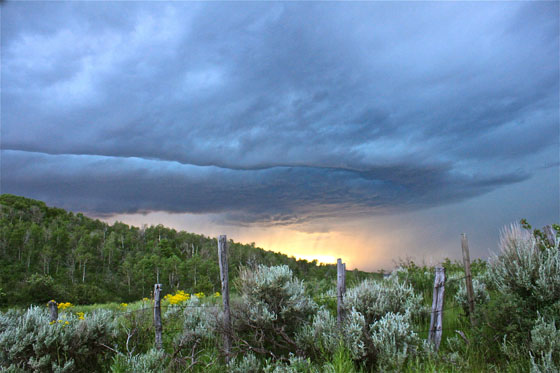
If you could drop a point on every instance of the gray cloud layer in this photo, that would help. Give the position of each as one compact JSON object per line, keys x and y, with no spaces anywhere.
{"x":275,"y":112}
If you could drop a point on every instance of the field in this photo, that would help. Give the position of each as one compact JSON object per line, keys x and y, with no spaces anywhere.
{"x":278,"y":324}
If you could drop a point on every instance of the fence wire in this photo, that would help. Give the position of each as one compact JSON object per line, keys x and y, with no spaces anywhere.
{"x":174,"y":328}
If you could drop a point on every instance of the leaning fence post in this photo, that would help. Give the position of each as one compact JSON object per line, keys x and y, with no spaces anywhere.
{"x":468,"y":276}
{"x":224,"y":277}
{"x":53,"y":309}
{"x":436,"y":320}
{"x":340,"y":290}
{"x":157,"y":314}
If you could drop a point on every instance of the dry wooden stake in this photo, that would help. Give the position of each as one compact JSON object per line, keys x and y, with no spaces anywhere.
{"x":157,"y":315}
{"x":224,"y":277}
{"x":550,"y":235}
{"x":53,"y":309}
{"x":436,"y":321}
{"x":340,"y":290}
{"x":468,"y":277}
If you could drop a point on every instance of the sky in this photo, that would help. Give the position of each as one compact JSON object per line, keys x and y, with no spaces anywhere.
{"x":376,"y":132}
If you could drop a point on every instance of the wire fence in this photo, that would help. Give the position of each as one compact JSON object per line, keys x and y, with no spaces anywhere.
{"x":174,"y":324}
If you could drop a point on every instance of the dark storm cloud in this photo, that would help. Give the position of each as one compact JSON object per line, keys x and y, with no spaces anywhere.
{"x":291,"y":195}
{"x":275,"y":112}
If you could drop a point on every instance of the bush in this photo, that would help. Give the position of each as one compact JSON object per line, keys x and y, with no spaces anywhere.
{"x":377,"y":328}
{"x":248,"y":363}
{"x":393,"y":340}
{"x":41,"y":288}
{"x":525,"y":283}
{"x":273,"y":306}
{"x":31,"y":342}
{"x":545,"y":346}
{"x":153,"y":361}
{"x":199,"y":329}
{"x":373,"y":299}
{"x":481,"y":295}
{"x":525,"y":268}
{"x":321,"y":336}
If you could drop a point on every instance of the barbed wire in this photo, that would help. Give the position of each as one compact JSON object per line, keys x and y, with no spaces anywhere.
{"x":166,"y":306}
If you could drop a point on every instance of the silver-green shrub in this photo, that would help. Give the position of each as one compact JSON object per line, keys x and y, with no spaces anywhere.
{"x":153,"y":361}
{"x":321,"y":335}
{"x":525,"y":279}
{"x":295,"y":364}
{"x":354,"y":327}
{"x":247,"y":363}
{"x":525,"y":268}
{"x":29,"y":341}
{"x":481,"y":295}
{"x":545,"y":346}
{"x":377,"y":328}
{"x":200,"y":324}
{"x":393,"y":340}
{"x":374,"y":299}
{"x":272,"y":308}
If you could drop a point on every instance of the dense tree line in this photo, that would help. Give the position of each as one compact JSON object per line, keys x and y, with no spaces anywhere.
{"x":49,"y":253}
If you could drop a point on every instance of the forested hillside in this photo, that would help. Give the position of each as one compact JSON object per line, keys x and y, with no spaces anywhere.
{"x":49,"y":253}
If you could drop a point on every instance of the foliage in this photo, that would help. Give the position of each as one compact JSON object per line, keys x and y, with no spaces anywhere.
{"x":280,"y":322}
{"x":273,"y":306}
{"x":374,"y":299}
{"x":29,"y":341}
{"x":153,"y":361}
{"x":341,"y":361}
{"x":394,"y":340}
{"x":377,"y":328}
{"x":526,"y":269}
{"x":481,"y":295}
{"x":321,"y":335}
{"x":199,"y":330}
{"x":524,"y":280}
{"x":545,"y":346}
{"x":49,"y":253}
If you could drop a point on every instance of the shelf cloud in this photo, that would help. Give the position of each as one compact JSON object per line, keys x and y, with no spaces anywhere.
{"x":275,"y":113}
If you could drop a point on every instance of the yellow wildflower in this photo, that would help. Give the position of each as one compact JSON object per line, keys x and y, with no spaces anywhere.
{"x":62,"y":306}
{"x":179,"y":297}
{"x":66,"y":323}
{"x":124,"y":305}
{"x":52,"y":322}
{"x":199,"y":295}
{"x":80,"y":315}
{"x":217,"y":294}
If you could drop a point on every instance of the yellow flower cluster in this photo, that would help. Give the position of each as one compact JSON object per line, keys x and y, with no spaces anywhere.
{"x":80,"y":315}
{"x":199,"y":295}
{"x":217,"y":294}
{"x":145,"y":299}
{"x":124,"y":305}
{"x":63,"y":306}
{"x":179,"y":297}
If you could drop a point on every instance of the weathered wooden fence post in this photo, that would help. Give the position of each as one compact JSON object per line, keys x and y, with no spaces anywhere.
{"x":436,"y":321}
{"x":550,"y":235}
{"x":157,"y":315}
{"x":53,"y":309}
{"x":224,"y":277}
{"x":340,"y":290}
{"x":468,"y":277}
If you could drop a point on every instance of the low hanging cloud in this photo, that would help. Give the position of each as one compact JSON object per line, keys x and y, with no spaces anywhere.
{"x":271,"y":196}
{"x":275,"y":113}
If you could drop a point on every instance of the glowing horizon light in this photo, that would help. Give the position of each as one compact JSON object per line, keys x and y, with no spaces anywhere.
{"x":324,"y":259}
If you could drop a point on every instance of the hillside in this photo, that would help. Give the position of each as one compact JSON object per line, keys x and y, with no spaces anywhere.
{"x":49,"y":253}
